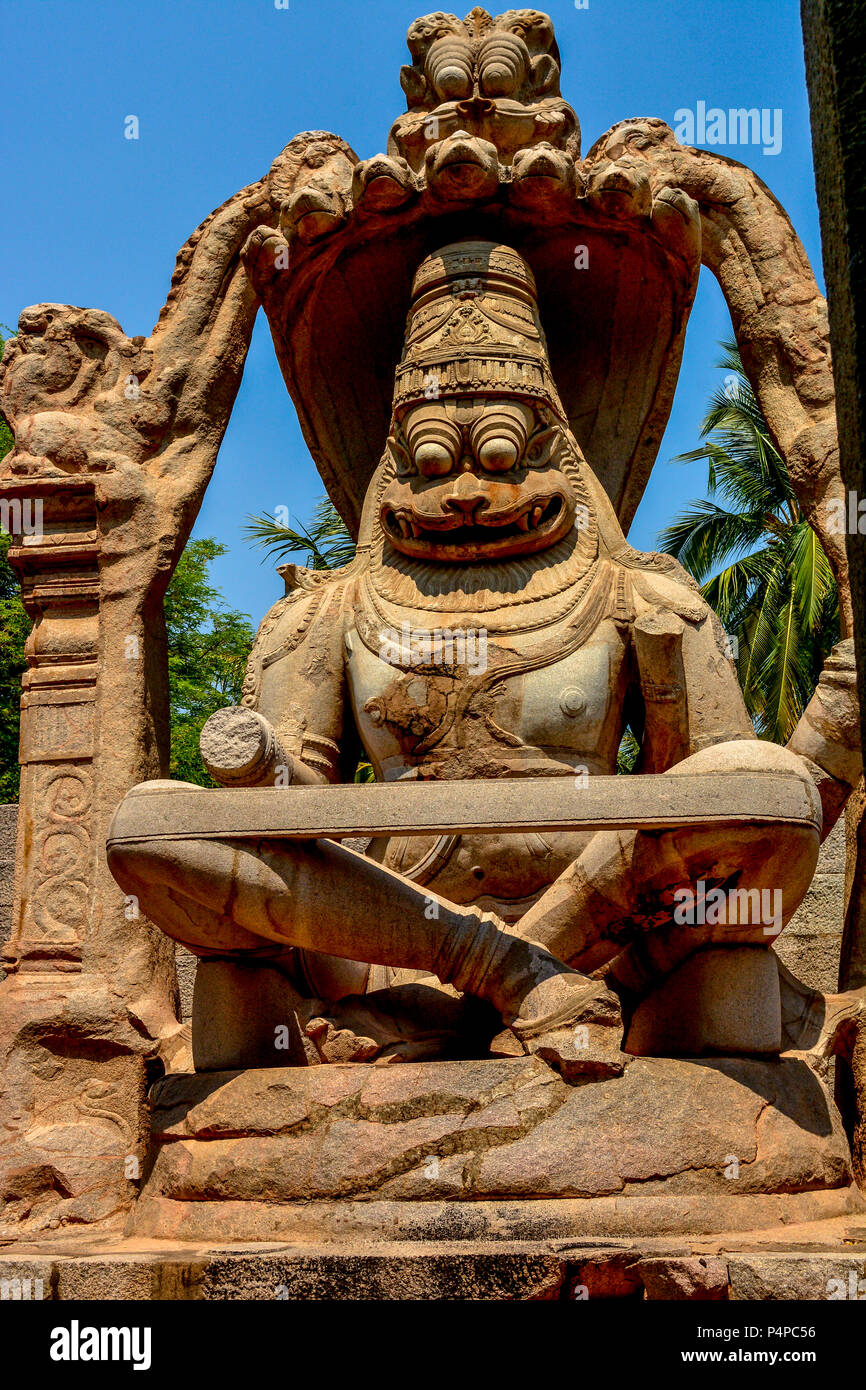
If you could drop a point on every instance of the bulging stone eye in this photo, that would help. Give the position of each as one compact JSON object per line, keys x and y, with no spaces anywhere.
{"x":434,"y":442}
{"x":502,"y":65}
{"x":499,"y":437}
{"x":449,"y":68}
{"x":433,"y":458}
{"x":498,"y":454}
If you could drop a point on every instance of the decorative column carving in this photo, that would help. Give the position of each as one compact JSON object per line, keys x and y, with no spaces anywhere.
{"x":59,"y":575}
{"x":115,"y":442}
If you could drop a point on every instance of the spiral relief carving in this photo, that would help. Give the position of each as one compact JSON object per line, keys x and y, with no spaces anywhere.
{"x":62,"y":858}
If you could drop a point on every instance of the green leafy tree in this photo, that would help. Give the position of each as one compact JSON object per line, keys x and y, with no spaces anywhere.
{"x":759,"y":563}
{"x":14,"y":630}
{"x":628,"y":754}
{"x":208,"y":646}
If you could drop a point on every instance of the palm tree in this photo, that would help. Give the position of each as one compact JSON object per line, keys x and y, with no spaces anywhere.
{"x":327,"y":544}
{"x":759,"y":563}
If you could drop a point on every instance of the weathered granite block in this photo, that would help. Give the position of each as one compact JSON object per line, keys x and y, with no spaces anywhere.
{"x":236,"y":1146}
{"x":810,"y":944}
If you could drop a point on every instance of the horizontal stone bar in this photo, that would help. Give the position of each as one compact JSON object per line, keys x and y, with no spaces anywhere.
{"x":161,"y":810}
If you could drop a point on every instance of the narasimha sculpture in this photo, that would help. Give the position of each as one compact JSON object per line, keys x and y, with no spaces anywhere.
{"x":481,"y":331}
{"x":483,"y":515}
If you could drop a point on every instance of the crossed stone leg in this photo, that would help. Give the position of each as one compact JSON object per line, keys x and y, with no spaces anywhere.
{"x":611,"y":914}
{"x":219,"y":897}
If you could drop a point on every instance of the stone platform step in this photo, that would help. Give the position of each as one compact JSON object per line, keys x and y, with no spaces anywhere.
{"x":825,"y":1261}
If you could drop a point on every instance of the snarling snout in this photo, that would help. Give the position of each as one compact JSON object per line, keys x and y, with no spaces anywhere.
{"x":467,"y":517}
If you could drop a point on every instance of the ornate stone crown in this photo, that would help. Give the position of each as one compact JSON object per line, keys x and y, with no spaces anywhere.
{"x":488,"y":150}
{"x":473,"y":327}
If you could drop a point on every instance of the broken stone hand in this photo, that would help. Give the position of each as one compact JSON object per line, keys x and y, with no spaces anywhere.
{"x":240,"y":748}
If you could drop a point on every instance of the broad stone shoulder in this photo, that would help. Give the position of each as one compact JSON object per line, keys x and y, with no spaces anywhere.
{"x":315,"y":601}
{"x":659,"y":581}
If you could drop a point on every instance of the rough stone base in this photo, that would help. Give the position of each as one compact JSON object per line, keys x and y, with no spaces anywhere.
{"x":478,"y":1181}
{"x":717,"y":1179}
{"x":500,"y":1149}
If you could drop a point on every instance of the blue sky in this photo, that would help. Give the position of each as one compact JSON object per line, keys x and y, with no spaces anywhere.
{"x":220,"y":86}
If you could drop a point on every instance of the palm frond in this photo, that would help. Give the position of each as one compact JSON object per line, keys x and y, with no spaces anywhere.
{"x":811,"y":576}
{"x":731,"y":592}
{"x":327,"y":543}
{"x":760,"y":565}
{"x":705,"y":535}
{"x":785,"y":677}
{"x":760,"y":630}
{"x":743,"y":466}
{"x":739,"y":449}
{"x":628,"y":754}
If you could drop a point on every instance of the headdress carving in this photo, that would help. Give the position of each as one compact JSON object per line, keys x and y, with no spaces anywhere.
{"x":473,"y":328}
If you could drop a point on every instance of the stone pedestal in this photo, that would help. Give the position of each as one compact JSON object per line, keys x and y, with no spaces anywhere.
{"x":722,"y":999}
{"x":492,"y":1150}
{"x":242,"y":1014}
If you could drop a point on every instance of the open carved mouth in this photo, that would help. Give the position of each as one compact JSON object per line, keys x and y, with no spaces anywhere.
{"x":529,"y":530}
{"x":458,"y":150}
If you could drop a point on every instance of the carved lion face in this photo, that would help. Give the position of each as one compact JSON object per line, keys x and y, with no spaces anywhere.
{"x":476,"y":480}
{"x":65,"y":384}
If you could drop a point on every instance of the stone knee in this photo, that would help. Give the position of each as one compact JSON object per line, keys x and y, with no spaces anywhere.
{"x":749,"y":881}
{"x":165,"y":894}
{"x":676,"y":889}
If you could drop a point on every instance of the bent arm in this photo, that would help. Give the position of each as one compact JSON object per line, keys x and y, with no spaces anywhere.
{"x":296,"y":684}
{"x":691,"y":696}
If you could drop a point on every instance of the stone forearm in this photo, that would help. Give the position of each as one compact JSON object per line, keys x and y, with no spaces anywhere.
{"x":828,"y":734}
{"x":240,"y":748}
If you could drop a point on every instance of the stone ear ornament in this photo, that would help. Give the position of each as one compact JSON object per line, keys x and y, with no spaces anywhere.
{"x":543,"y":442}
{"x":398,"y":450}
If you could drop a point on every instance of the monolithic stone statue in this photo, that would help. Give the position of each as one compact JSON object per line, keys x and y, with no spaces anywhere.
{"x":481,"y":331}
{"x":494,"y":625}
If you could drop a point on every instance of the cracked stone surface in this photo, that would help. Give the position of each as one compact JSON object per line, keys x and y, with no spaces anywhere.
{"x":489,"y":1129}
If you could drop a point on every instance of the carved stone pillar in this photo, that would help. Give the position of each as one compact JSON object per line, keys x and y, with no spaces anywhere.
{"x":115,"y":442}
{"x":55,"y":885}
{"x":74,"y":1047}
